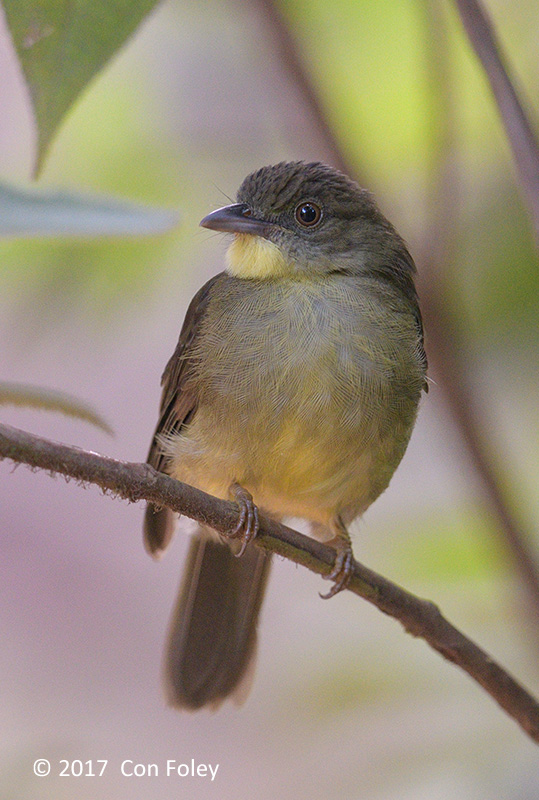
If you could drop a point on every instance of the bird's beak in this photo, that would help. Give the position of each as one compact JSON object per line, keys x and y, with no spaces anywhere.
{"x":236,"y":219}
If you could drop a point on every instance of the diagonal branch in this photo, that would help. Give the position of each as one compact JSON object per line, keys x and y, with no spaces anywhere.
{"x":519,"y":130}
{"x":290,"y":57}
{"x":421,"y":618}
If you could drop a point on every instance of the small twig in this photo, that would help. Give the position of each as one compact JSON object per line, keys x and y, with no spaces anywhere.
{"x":23,"y":394}
{"x":517,"y":125}
{"x":421,"y":618}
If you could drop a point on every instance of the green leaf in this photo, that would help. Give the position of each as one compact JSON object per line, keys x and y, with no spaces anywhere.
{"x":31,"y":212}
{"x":62,"y":44}
{"x":18,"y":394}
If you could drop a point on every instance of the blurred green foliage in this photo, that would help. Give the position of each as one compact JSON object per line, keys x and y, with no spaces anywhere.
{"x":390,"y":74}
{"x":455,"y":547}
{"x":369,"y":62}
{"x":62,"y":44}
{"x":100,"y":272}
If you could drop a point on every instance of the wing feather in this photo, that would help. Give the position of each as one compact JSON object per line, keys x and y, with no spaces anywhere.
{"x":178,"y":405}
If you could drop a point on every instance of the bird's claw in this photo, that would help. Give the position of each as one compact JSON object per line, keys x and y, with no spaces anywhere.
{"x":248,"y":524}
{"x":342,"y":571}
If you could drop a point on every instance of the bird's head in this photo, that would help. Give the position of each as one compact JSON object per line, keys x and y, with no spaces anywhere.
{"x":299,"y":219}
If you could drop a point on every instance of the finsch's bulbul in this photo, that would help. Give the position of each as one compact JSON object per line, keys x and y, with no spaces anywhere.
{"x":294,"y":387}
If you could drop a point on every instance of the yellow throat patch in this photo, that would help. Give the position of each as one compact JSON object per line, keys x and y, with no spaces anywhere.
{"x":254,"y":257}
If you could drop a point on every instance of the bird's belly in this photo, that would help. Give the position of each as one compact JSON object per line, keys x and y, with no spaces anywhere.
{"x":314,"y":474}
{"x":295,"y":459}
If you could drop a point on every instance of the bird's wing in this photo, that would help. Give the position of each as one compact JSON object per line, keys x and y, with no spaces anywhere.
{"x":178,"y":404}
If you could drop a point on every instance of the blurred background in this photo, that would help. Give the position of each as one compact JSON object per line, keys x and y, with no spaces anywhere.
{"x":344,"y":703}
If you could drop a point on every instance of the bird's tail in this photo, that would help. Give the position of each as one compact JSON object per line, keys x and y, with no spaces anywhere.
{"x":212,"y":639}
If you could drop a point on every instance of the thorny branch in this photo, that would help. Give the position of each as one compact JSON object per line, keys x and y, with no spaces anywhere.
{"x":421,"y":618}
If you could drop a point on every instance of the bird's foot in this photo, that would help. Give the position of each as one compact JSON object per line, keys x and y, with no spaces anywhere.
{"x":248,"y":524}
{"x":343,"y":569}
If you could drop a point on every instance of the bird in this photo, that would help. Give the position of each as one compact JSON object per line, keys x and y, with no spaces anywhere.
{"x":293,"y":389}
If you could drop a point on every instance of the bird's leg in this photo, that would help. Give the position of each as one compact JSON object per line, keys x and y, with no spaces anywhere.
{"x":343,"y":568}
{"x":248,"y":524}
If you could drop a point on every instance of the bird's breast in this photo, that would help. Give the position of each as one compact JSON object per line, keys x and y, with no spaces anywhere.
{"x":297,"y":386}
{"x":273,"y":349}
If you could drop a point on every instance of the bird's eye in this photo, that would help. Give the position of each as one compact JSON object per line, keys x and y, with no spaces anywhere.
{"x":308,"y":214}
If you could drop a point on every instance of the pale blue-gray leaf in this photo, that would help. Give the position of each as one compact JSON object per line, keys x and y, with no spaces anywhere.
{"x":28,"y":212}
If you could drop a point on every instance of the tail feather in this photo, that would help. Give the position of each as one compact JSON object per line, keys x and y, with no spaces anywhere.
{"x":212,"y":639}
{"x":158,"y":529}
